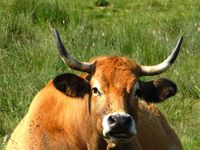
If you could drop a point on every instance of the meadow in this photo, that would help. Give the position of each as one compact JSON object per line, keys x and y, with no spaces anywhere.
{"x":145,"y":31}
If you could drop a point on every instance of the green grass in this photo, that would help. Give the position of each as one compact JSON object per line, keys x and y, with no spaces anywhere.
{"x":145,"y":31}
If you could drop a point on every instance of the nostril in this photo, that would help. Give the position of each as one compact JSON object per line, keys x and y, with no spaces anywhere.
{"x":128,"y":120}
{"x":111,"y":120}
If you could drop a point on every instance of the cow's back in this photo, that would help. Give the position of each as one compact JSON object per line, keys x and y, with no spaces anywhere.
{"x":154,"y":132}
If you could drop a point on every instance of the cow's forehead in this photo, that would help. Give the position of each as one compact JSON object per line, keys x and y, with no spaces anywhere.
{"x":115,"y":72}
{"x":114,"y":62}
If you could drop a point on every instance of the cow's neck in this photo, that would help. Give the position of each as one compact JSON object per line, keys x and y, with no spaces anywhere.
{"x":60,"y":117}
{"x":75,"y":119}
{"x":71,"y":118}
{"x":57,"y":114}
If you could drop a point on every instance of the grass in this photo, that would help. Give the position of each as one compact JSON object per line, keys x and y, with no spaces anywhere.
{"x":145,"y":31}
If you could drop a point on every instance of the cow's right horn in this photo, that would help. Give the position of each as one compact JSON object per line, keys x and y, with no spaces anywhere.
{"x":70,"y":61}
{"x":158,"y":69}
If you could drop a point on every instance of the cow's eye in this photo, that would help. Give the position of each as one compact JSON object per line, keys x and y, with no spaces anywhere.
{"x":137,"y":92}
{"x":96,"y":91}
{"x":136,"y":89}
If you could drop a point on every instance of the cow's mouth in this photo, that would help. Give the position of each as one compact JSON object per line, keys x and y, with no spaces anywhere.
{"x":119,"y":137}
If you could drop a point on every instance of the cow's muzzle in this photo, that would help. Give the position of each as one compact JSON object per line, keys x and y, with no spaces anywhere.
{"x":118,"y":127}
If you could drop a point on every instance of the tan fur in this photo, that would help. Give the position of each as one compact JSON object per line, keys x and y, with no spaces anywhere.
{"x":154,"y":132}
{"x":46,"y":122}
{"x":56,"y":121}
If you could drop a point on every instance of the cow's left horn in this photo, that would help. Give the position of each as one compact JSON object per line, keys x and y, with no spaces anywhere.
{"x":158,"y":69}
{"x":70,"y":61}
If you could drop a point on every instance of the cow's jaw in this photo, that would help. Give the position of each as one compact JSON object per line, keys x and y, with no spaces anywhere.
{"x":118,"y":136}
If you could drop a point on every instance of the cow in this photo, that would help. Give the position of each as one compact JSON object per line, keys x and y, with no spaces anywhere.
{"x":107,"y":108}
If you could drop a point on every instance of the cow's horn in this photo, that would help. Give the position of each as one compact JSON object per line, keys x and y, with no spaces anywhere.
{"x":70,"y":61}
{"x":158,"y":69}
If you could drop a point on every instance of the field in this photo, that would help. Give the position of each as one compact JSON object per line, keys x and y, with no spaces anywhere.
{"x":145,"y":31}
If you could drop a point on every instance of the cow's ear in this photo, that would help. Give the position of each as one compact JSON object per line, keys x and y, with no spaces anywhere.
{"x":72,"y":85}
{"x":156,"y":90}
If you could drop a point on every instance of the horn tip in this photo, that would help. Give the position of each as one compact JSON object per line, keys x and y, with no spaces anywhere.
{"x":180,"y":39}
{"x":180,"y":42}
{"x":54,"y":30}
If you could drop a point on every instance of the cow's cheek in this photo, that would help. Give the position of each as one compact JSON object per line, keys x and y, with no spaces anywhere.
{"x":99,"y":110}
{"x":99,"y":126}
{"x":133,"y":108}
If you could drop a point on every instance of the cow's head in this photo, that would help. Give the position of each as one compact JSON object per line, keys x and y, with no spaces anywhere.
{"x":113,"y":86}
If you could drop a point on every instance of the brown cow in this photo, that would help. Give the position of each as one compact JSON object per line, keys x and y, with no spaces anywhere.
{"x":99,"y":110}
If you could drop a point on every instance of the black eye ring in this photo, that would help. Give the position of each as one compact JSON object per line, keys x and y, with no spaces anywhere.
{"x":137,"y":93}
{"x":96,"y":91}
